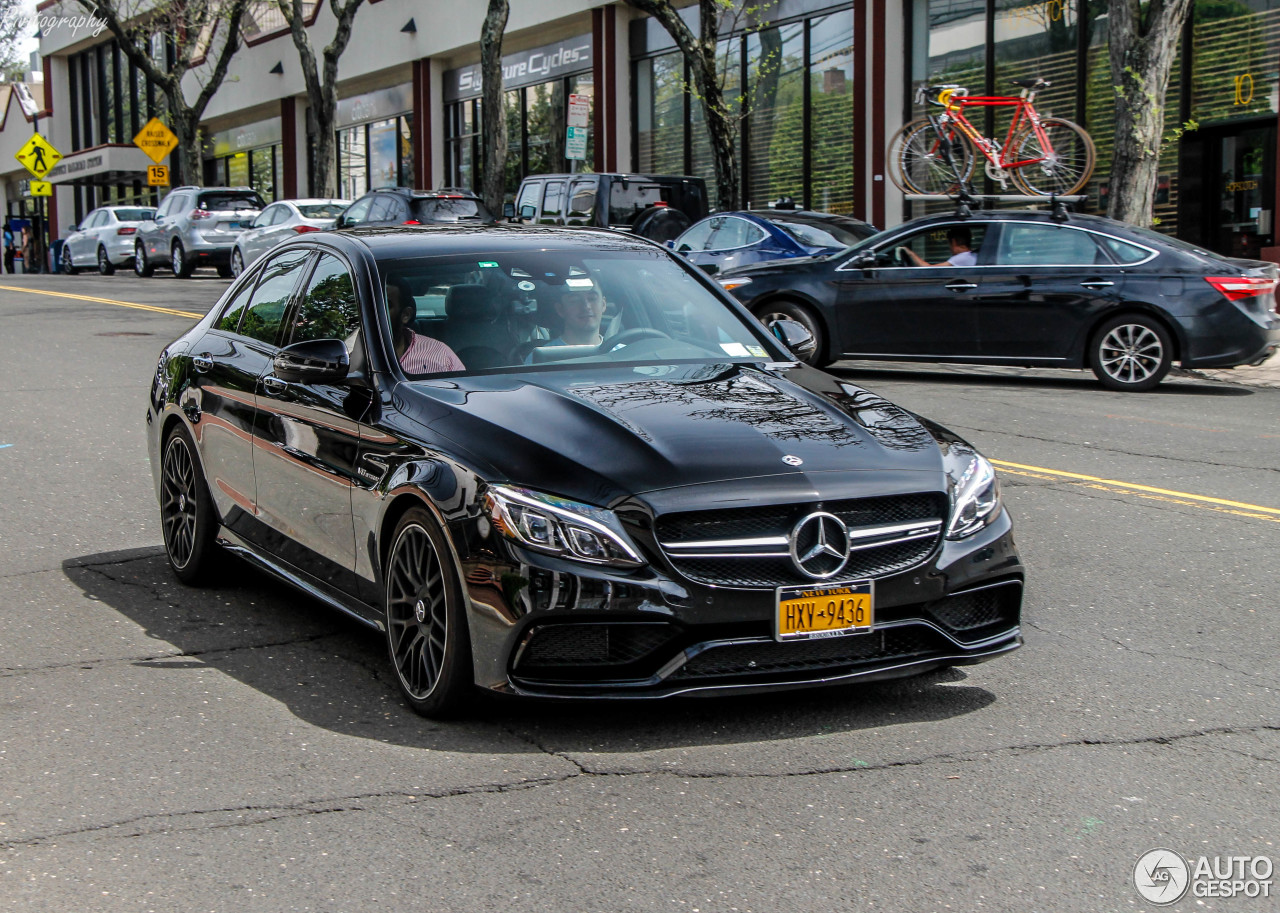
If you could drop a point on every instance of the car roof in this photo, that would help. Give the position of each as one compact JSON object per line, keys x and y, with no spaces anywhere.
{"x":395,"y":241}
{"x":1079,"y":219}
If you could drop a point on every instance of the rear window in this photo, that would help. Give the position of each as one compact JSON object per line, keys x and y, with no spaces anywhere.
{"x":450,"y":210}
{"x":822,"y":234}
{"x":229,"y":202}
{"x":135,"y":215}
{"x":322,"y":210}
{"x":627,"y":199}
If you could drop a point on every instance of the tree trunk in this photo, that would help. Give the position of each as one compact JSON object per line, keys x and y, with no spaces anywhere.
{"x":324,"y":176}
{"x":186,"y":128}
{"x":1143,"y":44}
{"x":493,"y":127}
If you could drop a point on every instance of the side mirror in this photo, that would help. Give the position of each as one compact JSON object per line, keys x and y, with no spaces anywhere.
{"x":528,"y":211}
{"x":313,"y":361}
{"x":669,"y":244}
{"x":508,"y":210}
{"x":864,"y":260}
{"x":340,"y":222}
{"x":796,"y":337}
{"x":72,"y":228}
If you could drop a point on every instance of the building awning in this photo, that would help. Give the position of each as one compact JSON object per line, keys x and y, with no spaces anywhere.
{"x":111,"y":164}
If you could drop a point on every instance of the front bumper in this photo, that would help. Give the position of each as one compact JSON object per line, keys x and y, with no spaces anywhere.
{"x":548,"y":628}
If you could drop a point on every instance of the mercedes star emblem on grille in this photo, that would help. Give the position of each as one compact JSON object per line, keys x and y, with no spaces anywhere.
{"x":820,"y":545}
{"x":792,"y":460}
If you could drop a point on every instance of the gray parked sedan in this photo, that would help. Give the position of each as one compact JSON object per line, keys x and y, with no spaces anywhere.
{"x":104,"y":237}
{"x":195,"y":226}
{"x":280,"y":221}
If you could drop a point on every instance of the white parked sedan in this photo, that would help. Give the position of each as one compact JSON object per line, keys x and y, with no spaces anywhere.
{"x":105,"y":238}
{"x":280,"y":221}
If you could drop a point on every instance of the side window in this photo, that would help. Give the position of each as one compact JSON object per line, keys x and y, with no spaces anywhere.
{"x":383,"y":208}
{"x":582,"y":203}
{"x":1030,"y":244}
{"x":230,"y":319}
{"x":696,"y":238}
{"x":530,"y":193}
{"x":735,"y":233}
{"x":270,"y":299}
{"x":93,"y":220}
{"x":273,"y":215}
{"x":329,"y":309}
{"x":933,"y":245}
{"x":359,"y":211}
{"x":165,"y":205}
{"x":551,"y":201}
{"x":1124,"y":252}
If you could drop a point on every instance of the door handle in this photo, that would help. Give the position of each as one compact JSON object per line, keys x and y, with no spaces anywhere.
{"x":1097,"y":283}
{"x":275,"y":386}
{"x":960,"y":286}
{"x":202,"y":363}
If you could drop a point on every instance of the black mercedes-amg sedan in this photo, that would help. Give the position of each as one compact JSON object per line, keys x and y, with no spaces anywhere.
{"x":1033,"y":289}
{"x":565,"y":463}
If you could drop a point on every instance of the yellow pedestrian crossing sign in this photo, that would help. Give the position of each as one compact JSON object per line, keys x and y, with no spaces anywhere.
{"x":156,"y":140}
{"x":40,"y":189}
{"x":37,"y":156}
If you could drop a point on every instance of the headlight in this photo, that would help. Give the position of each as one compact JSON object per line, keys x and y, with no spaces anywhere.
{"x":975,"y":493}
{"x":561,"y":527}
{"x":733,"y":282}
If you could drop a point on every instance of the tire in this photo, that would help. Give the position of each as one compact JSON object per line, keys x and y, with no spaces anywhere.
{"x":237,"y":263}
{"x":1131,"y":352}
{"x":426,"y":627}
{"x":769,"y":313}
{"x":1067,"y":170}
{"x":224,"y":272}
{"x":141,"y":267}
{"x":67,"y":266}
{"x":187,"y":518}
{"x":918,"y":163}
{"x":105,"y":266}
{"x":178,"y":261}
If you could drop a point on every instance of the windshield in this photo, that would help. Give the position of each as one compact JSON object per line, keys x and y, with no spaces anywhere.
{"x":323,"y":210}
{"x":229,"y":202}
{"x":135,"y":215}
{"x":450,"y":210}
{"x":832,"y":234}
{"x":521,"y":311}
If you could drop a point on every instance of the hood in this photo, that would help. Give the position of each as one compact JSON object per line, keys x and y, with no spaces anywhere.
{"x":601,"y":434}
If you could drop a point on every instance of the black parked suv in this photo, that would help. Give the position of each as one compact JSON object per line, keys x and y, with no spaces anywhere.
{"x":655,"y":206}
{"x":402,"y":206}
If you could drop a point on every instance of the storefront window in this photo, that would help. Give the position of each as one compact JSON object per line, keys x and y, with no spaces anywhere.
{"x":353,"y":173}
{"x":545,"y":119}
{"x":661,"y":127}
{"x":775,"y":95}
{"x":384,"y":154}
{"x":728,"y":58}
{"x":238,"y":170}
{"x":1037,"y":40}
{"x":263,"y":172}
{"x":406,"y":151}
{"x":464,"y":133}
{"x":1235,"y":50}
{"x":831,"y":88}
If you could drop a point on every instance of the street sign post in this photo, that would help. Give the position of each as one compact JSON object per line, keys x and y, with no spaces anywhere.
{"x":575,"y":139}
{"x":38,"y":156}
{"x":158,"y":175}
{"x":156,"y":140}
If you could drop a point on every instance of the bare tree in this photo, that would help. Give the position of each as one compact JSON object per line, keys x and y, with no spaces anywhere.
{"x":188,"y":34}
{"x":1143,"y":40}
{"x":322,"y":87}
{"x":493,"y":117}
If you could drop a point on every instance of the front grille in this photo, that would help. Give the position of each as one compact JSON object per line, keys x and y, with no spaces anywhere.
{"x":771,"y":570}
{"x":763,"y":657}
{"x":564,"y":647}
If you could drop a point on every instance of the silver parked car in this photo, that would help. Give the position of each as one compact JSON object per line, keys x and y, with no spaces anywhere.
{"x":282,"y":220}
{"x":104,"y":237}
{"x":195,"y":226}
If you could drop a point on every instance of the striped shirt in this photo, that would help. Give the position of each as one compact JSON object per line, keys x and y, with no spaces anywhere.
{"x":428,"y":356}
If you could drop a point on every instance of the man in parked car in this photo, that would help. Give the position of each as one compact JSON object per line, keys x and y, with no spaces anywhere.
{"x":581,"y":309}
{"x":417,"y":354}
{"x":961,"y":241}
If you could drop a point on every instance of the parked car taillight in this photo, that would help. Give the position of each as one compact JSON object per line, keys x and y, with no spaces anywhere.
{"x":126,"y":231}
{"x":410,"y":222}
{"x":198,"y":214}
{"x":303,"y":229}
{"x":1236,"y":288}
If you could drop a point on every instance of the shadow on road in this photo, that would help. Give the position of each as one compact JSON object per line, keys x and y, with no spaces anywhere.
{"x":333,"y":672}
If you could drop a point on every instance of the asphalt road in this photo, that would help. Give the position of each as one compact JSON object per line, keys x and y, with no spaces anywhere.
{"x":243,"y":749}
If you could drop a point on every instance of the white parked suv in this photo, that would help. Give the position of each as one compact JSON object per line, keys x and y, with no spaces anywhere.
{"x":104,"y":237}
{"x":195,"y":226}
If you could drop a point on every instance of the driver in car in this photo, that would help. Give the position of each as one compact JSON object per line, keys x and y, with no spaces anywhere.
{"x":417,"y":354}
{"x":961,"y":241}
{"x":581,"y":309}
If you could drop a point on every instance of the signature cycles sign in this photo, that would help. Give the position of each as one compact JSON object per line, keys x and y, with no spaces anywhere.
{"x":1164,"y":877}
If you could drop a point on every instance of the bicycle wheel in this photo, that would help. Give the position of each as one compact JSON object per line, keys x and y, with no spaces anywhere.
{"x":922,"y":162}
{"x":1064,"y":168}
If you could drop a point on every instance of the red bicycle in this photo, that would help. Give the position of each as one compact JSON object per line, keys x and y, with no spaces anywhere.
{"x":937,"y":154}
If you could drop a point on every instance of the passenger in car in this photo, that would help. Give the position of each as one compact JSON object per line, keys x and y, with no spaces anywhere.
{"x":417,"y":354}
{"x":961,"y":241}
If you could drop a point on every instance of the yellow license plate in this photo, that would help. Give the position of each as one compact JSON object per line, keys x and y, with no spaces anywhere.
{"x":806,"y":612}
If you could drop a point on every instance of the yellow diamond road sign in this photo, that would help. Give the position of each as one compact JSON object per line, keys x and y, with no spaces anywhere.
{"x":38,"y":156}
{"x":156,"y":140}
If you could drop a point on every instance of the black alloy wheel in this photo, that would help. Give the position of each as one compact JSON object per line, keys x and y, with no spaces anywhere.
{"x":178,"y":261}
{"x":67,"y":266}
{"x":426,"y":632}
{"x":1131,"y":352}
{"x":771,"y":313}
{"x":141,"y":267}
{"x":105,"y":267}
{"x":187,"y":518}
{"x":237,"y":262}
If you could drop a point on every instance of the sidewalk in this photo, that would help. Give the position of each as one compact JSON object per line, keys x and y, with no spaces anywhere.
{"x":1266,"y":374}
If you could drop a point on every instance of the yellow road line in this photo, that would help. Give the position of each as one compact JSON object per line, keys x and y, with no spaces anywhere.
{"x":1133,"y":486}
{"x":113,"y":301}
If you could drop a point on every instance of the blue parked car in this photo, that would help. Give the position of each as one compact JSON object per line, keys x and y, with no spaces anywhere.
{"x":729,"y":239}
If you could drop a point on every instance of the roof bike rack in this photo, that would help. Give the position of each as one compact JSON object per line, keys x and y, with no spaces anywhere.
{"x":965,"y":202}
